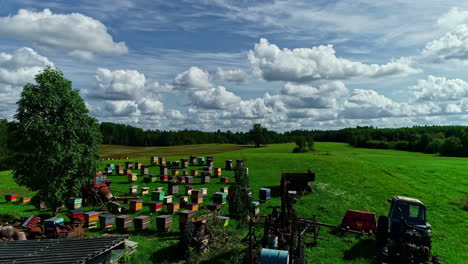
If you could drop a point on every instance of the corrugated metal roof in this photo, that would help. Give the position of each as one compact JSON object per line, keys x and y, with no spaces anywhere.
{"x":58,"y":251}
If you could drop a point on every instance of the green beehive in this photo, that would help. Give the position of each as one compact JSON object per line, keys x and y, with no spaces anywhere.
{"x":219,"y":198}
{"x":157,"y":195}
{"x":111,"y":165}
{"x":201,"y":161}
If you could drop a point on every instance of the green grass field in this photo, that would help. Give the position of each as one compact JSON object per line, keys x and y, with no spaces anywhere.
{"x":347,"y":178}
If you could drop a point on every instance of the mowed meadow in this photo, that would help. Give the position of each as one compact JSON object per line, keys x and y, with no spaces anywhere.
{"x":346,"y":178}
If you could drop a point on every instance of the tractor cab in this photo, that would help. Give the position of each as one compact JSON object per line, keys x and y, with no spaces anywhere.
{"x":411,"y":211}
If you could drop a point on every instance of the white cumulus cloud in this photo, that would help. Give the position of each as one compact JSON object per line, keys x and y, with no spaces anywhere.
{"x":214,"y":98}
{"x":235,"y":76}
{"x":193,"y":78}
{"x":440,"y":89}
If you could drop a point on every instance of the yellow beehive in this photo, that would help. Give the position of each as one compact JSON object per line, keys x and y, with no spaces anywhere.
{"x":132,"y":177}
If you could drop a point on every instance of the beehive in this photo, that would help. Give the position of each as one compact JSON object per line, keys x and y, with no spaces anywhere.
{"x":225,"y":220}
{"x":184,"y":163}
{"x":144,"y":190}
{"x":219,"y":198}
{"x":183,"y":200}
{"x":111,"y":165}
{"x":201,"y":161}
{"x":128,"y":165}
{"x":191,"y":206}
{"x":163,"y":178}
{"x":163,"y":222}
{"x":158,"y":189}
{"x":138,"y":165}
{"x":209,"y":163}
{"x":123,"y":222}
{"x":127,"y":171}
{"x":255,"y":208}
{"x":157,"y":195}
{"x":106,"y":221}
{"x":173,"y":189}
{"x":192,"y":159}
{"x":155,"y":206}
{"x":163,"y":170}
{"x":142,"y":222}
{"x":175,"y":172}
{"x":144,"y":170}
{"x":224,"y":190}
{"x":239,"y":163}
{"x":185,"y":172}
{"x":186,"y":216}
{"x":194,"y":172}
{"x":153,"y":178}
{"x":115,"y":207}
{"x":188,"y":179}
{"x":214,"y":207}
{"x":173,"y":207}
{"x":188,"y":189}
{"x":167,"y":199}
{"x":217,"y":172}
{"x":51,"y":224}
{"x":154,"y":161}
{"x":119,"y":169}
{"x":25,"y":199}
{"x":176,"y":164}
{"x":162,"y":161}
{"x":209,"y":158}
{"x":205,"y":179}
{"x":181,"y":179}
{"x":91,"y":219}
{"x":196,"y":194}
{"x":108,"y":170}
{"x":136,"y":205}
{"x":204,"y":191}
{"x":77,"y":214}
{"x":247,"y":190}
{"x":133,"y":189}
{"x":228,"y":165}
{"x":224,"y":179}
{"x":264,"y":194}
{"x":74,"y":203}
{"x":132,"y":177}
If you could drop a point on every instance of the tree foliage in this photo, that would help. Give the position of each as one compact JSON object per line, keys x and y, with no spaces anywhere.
{"x":54,"y":142}
{"x":4,"y":164}
{"x":258,"y":134}
{"x":304,"y":144}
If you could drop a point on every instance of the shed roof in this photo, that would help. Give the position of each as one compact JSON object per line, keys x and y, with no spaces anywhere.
{"x":58,"y":251}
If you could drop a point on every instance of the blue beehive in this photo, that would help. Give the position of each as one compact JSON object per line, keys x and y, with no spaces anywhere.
{"x":265,"y":194}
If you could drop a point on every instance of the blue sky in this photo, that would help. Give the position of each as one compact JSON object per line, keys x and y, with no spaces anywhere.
{"x":218,"y":64}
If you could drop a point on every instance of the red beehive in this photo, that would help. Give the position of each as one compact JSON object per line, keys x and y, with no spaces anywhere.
{"x":155,"y":206}
{"x":181,"y":179}
{"x":224,"y":179}
{"x":77,"y":214}
{"x":359,"y":221}
{"x":164,"y":178}
{"x":11,"y":197}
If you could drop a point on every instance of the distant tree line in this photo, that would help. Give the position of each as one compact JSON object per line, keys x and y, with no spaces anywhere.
{"x":445,"y":140}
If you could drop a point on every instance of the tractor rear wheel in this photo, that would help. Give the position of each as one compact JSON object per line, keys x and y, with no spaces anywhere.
{"x":382,"y":231}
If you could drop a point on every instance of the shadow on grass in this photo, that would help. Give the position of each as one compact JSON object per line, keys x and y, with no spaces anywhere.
{"x":166,"y":255}
{"x":364,"y":249}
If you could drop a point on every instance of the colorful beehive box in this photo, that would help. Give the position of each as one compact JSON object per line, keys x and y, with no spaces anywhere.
{"x":106,"y":221}
{"x":128,"y":165}
{"x":185,"y":172}
{"x":189,"y":179}
{"x":255,"y":208}
{"x":74,"y":203}
{"x":225,"y":220}
{"x":196,"y":194}
{"x":201,"y":161}
{"x":219,"y":198}
{"x":51,"y":224}
{"x":205,"y":179}
{"x":167,"y":199}
{"x":108,"y":170}
{"x":163,"y":178}
{"x":184,"y":163}
{"x":144,"y":190}
{"x":204,"y":191}
{"x":162,"y":161}
{"x":157,"y":196}
{"x":224,"y":179}
{"x":111,"y":165}
{"x":144,"y":170}
{"x":154,"y":161}
{"x":155,"y":206}
{"x":224,"y":190}
{"x":158,"y":189}
{"x":91,"y":218}
{"x":183,"y":200}
{"x":77,"y":214}
{"x":31,"y":222}
{"x":163,"y":222}
{"x":192,"y":159}
{"x":115,"y":207}
{"x":264,"y":194}
{"x":185,"y":216}
{"x":142,"y":222}
{"x":191,"y":206}
{"x":173,"y":189}
{"x":25,"y":199}
{"x":228,"y":165}
{"x":136,"y":205}
{"x":119,"y":169}
{"x":173,"y":207}
{"x":181,"y":179}
{"x":133,"y":189}
{"x":138,"y":165}
{"x":127,"y":171}
{"x":194,"y":172}
{"x":214,"y":207}
{"x":217,"y":172}
{"x":123,"y":222}
{"x":132,"y":177}
{"x":163,"y":170}
{"x":153,"y":178}
{"x":175,"y":172}
{"x":188,"y":189}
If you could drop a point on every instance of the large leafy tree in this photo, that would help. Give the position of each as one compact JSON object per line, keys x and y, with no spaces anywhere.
{"x":54,"y":142}
{"x":258,"y":134}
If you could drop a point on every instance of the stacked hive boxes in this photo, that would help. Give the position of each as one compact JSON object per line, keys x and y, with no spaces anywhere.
{"x":185,"y":216}
{"x":224,"y":179}
{"x":194,"y":172}
{"x":181,"y":179}
{"x":91,"y":219}
{"x":163,"y":170}
{"x":214,"y":207}
{"x":51,"y":225}
{"x":144,"y":170}
{"x":167,"y":199}
{"x":217,"y":172}
{"x":173,"y":187}
{"x":128,"y":165}
{"x":162,"y":161}
{"x":157,"y":195}
{"x":142,"y":222}
{"x":74,"y":203}
{"x":183,"y":200}
{"x":77,"y":214}
{"x":163,"y":222}
{"x":228,"y":164}
{"x":124,"y":222}
{"x":197,"y":196}
{"x":119,"y":169}
{"x":144,"y":190}
{"x":133,"y":189}
{"x":224,"y":189}
{"x":138,"y":165}
{"x":189,"y":179}
{"x":185,"y":172}
{"x":188,"y":189}
{"x":106,"y":221}
{"x":192,"y":159}
{"x":204,"y":192}
{"x":154,"y":161}
{"x":265,"y":194}
{"x":163,"y":178}
{"x":184,"y":163}
{"x":132,"y":177}
{"x":201,"y":161}
{"x":191,"y":206}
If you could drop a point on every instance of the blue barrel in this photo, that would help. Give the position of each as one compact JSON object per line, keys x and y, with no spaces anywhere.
{"x":273,"y":256}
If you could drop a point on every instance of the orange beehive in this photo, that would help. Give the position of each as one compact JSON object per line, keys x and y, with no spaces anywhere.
{"x":91,"y":216}
{"x":138,"y":165}
{"x":194,"y":172}
{"x":128,"y":171}
{"x":25,"y":199}
{"x":191,"y":206}
{"x":173,"y":207}
{"x":175,"y":172}
{"x":136,"y":205}
{"x":217,"y":172}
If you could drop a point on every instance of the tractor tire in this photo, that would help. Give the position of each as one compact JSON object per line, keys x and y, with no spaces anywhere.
{"x":436,"y":260}
{"x":186,"y":240}
{"x":382,"y":231}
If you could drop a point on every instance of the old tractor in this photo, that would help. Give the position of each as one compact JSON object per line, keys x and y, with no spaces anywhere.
{"x":405,"y":235}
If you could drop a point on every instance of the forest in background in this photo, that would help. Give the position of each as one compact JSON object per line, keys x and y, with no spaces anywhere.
{"x":445,"y":140}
